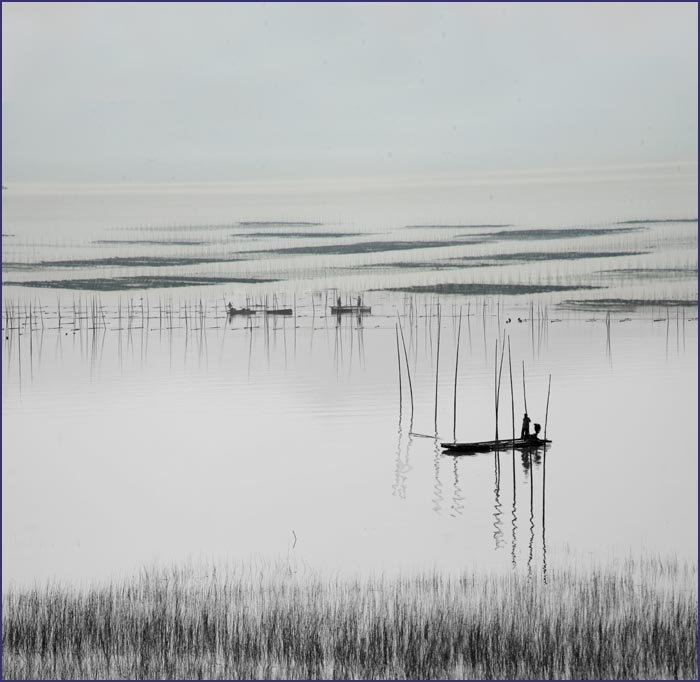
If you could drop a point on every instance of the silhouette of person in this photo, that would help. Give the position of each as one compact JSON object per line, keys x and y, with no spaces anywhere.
{"x":525,"y":431}
{"x":359,"y":301}
{"x":536,"y":435}
{"x":339,"y":302}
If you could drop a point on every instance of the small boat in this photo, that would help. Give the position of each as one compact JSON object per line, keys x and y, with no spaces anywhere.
{"x":239,"y":311}
{"x":495,"y":445}
{"x":279,"y":311}
{"x":342,"y":309}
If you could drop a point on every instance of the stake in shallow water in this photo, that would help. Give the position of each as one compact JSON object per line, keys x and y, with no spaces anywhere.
{"x":408,"y":369}
{"x":454,"y":416}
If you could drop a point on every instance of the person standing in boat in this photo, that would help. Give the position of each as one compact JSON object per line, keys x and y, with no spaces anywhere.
{"x":525,"y":431}
{"x":339,"y":302}
{"x":359,"y":301}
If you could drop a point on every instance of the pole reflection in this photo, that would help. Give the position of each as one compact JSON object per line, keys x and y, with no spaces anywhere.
{"x":497,"y":522}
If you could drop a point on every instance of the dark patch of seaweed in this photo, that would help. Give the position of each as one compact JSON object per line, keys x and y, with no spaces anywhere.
{"x":488,"y":289}
{"x":652,"y":221}
{"x":626,"y":304}
{"x":120,"y":261}
{"x":142,"y":282}
{"x":652,"y":273}
{"x":152,"y":242}
{"x":499,"y":258}
{"x":457,"y":227}
{"x":277,"y":223}
{"x":180,"y":228}
{"x":547,"y":256}
{"x":554,"y":233}
{"x":364,"y":247}
{"x":295,"y":234}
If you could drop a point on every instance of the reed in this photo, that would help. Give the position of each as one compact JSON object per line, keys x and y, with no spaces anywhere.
{"x":635,"y":619}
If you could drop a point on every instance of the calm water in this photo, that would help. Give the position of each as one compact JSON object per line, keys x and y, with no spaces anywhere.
{"x":174,"y":433}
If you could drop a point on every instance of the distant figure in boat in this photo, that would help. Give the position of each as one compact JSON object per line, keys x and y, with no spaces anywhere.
{"x":340,"y":303}
{"x":525,"y":431}
{"x":230,"y":307}
{"x":536,"y":435}
{"x":359,"y":301}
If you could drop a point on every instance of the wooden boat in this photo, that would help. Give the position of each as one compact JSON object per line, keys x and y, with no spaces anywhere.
{"x":343,"y":309}
{"x":495,"y":445}
{"x":239,"y":311}
{"x":279,"y":311}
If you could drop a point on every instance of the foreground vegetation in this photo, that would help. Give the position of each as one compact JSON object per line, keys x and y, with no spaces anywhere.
{"x":632,"y":620}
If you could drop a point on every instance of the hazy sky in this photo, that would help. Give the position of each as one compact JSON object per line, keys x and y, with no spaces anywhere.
{"x":107,"y":92}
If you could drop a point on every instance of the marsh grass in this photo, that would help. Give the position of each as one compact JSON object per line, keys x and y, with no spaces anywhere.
{"x":632,"y":620}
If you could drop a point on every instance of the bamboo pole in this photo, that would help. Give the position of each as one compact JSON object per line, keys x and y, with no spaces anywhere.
{"x":512,"y":400}
{"x":437,"y":364}
{"x":524,"y":394}
{"x":454,"y":416}
{"x":398,"y":356}
{"x":498,"y":378}
{"x":408,"y":369}
{"x":546,"y":413}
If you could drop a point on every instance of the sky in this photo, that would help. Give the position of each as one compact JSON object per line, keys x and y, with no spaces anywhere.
{"x":163,"y":92}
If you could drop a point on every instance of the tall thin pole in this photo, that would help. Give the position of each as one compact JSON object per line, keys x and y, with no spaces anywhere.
{"x":524,"y":394}
{"x":408,"y":369}
{"x":454,"y":416}
{"x":546,"y":413}
{"x":512,"y":400}
{"x":497,"y":378}
{"x":437,"y":364}
{"x":398,"y":357}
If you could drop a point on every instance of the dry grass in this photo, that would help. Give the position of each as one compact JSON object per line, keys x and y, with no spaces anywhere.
{"x":634,"y":620}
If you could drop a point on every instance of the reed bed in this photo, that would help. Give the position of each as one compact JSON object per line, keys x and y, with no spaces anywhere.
{"x":636,"y":619}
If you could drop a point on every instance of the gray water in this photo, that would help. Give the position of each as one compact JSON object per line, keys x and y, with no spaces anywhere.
{"x":147,"y":427}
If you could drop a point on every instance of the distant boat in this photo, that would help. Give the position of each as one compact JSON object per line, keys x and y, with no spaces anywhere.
{"x":495,"y":445}
{"x":279,"y":311}
{"x":342,"y":309}
{"x":239,"y":311}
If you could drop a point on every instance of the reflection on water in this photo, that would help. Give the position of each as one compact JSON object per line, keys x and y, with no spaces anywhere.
{"x":457,"y":497}
{"x":261,"y":416}
{"x":514,"y":518}
{"x":438,"y":497}
{"x":497,"y":523}
{"x":544,"y":532}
